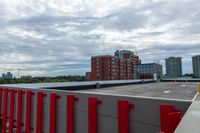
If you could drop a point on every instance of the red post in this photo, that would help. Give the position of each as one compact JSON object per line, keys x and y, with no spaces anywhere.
{"x":175,"y":119}
{"x":0,"y":102}
{"x":169,"y":118}
{"x":4,"y":121}
{"x":164,"y":118}
{"x":93,"y":102}
{"x":29,"y":95}
{"x":39,"y":112}
{"x":70,"y":100}
{"x":12,"y":105}
{"x":53,"y":101}
{"x":123,"y":116}
{"x":19,"y":111}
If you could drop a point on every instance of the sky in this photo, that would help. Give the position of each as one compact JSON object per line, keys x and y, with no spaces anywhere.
{"x":58,"y":37}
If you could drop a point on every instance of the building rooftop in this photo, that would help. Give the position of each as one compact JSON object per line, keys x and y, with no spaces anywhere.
{"x":149,"y":64}
{"x":129,"y":88}
{"x":103,"y":56}
{"x":173,"y":58}
{"x":75,"y":85}
{"x":169,"y":90}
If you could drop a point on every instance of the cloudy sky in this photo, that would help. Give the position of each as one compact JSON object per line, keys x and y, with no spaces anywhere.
{"x":58,"y":37}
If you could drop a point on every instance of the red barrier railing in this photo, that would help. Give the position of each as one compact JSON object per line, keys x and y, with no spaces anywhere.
{"x":169,"y":118}
{"x":123,"y":115}
{"x":19,"y":111}
{"x":40,"y":96}
{"x":53,"y":101}
{"x":93,"y":102}
{"x":175,"y":119}
{"x":70,"y":100}
{"x":12,"y":105}
{"x":4,"y":121}
{"x":0,"y":102}
{"x":28,"y":127}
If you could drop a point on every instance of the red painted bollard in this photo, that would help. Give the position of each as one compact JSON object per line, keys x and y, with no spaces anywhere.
{"x":4,"y":120}
{"x":19,"y":111}
{"x":169,"y":118}
{"x":93,"y":103}
{"x":53,"y":103}
{"x":39,"y":113}
{"x":70,"y":100}
{"x":0,"y":102}
{"x":175,"y":119}
{"x":12,"y":105}
{"x":28,"y":127}
{"x":123,"y":115}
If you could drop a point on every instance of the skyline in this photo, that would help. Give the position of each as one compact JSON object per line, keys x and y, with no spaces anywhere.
{"x":56,"y":37}
{"x":159,"y":62}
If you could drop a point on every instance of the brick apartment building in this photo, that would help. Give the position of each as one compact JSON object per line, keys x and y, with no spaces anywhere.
{"x":122,"y":66}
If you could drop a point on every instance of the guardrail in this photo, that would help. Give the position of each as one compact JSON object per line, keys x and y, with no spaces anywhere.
{"x":54,"y":111}
{"x":181,"y":80}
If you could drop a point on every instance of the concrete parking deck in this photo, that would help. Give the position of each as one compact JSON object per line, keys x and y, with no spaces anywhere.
{"x":75,"y":85}
{"x":170,"y":90}
{"x":140,"y":88}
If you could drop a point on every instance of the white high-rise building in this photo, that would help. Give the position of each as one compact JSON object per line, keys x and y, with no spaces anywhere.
{"x":196,"y":66}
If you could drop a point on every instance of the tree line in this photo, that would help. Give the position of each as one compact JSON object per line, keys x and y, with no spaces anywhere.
{"x":68,"y":78}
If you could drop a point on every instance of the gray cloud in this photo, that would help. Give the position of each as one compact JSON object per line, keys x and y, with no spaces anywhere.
{"x":58,"y":37}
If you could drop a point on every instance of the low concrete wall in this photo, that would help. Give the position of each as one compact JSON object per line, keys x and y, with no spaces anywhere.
{"x":145,"y":118}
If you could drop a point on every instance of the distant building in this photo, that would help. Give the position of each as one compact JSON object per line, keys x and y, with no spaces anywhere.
{"x":26,"y":77}
{"x":8,"y":75}
{"x":126,"y":54}
{"x":104,"y":67}
{"x":196,"y":66}
{"x":119,"y":67}
{"x":173,"y":67}
{"x":147,"y":71}
{"x":3,"y":75}
{"x":88,"y":76}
